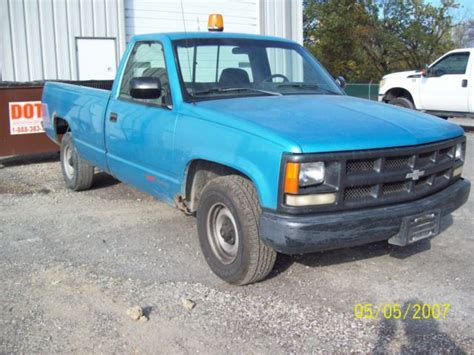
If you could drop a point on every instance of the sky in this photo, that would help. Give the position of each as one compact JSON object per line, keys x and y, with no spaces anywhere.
{"x":466,"y":10}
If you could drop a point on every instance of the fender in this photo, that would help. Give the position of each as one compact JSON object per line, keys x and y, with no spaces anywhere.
{"x":257,"y":158}
{"x":406,"y":82}
{"x":392,"y":91}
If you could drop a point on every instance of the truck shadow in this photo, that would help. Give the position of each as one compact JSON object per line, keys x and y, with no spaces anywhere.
{"x":29,"y":159}
{"x":419,"y":333}
{"x":347,"y":255}
{"x":102,"y":179}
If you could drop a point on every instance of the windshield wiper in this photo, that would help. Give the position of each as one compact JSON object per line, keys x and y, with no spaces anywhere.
{"x":308,"y":86}
{"x":219,"y":90}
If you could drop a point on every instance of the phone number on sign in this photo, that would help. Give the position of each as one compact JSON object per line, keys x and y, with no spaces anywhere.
{"x":27,"y":129}
{"x":415,"y":311}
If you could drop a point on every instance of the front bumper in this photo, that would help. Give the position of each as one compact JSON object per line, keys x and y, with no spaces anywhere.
{"x":310,"y":233}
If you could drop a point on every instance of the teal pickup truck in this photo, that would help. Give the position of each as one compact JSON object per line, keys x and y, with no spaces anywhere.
{"x":254,"y":137}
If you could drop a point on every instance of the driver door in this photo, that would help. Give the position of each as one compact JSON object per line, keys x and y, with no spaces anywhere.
{"x":445,"y":87}
{"x":140,"y":132}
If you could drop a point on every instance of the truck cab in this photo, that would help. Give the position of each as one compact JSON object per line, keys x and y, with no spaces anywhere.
{"x":252,"y":136}
{"x":444,"y":88}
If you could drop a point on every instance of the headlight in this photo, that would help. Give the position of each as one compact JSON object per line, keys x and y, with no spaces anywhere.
{"x":382,"y":83}
{"x":323,"y":176}
{"x":459,"y":155}
{"x":311,"y":174}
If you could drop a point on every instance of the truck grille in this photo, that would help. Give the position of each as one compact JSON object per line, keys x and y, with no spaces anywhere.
{"x":358,"y":192}
{"x":396,"y":175}
{"x":360,"y":165}
{"x":381,"y":177}
{"x":394,"y":188}
{"x":397,"y":162}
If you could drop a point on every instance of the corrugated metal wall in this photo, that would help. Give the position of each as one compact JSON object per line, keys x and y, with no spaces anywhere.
{"x":38,"y":36}
{"x":283,"y":18}
{"x":148,"y":16}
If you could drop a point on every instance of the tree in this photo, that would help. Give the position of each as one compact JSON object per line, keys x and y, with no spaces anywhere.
{"x":334,"y":31}
{"x":463,"y":34}
{"x":366,"y":39}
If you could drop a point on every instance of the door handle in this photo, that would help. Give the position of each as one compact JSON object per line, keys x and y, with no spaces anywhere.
{"x":113,"y":117}
{"x":464,"y":83}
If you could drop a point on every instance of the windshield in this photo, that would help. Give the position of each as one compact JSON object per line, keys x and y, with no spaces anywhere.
{"x":215,"y":68}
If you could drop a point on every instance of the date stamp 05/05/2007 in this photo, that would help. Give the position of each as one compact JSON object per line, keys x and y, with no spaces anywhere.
{"x":414,"y":311}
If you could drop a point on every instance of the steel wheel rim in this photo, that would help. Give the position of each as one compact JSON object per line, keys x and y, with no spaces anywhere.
{"x":222,"y":233}
{"x":68,"y":163}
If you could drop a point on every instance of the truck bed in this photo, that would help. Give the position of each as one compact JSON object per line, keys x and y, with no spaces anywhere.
{"x":97,"y":84}
{"x":83,"y":105}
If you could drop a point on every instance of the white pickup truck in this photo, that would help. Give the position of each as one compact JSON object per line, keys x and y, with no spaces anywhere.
{"x":445,"y":88}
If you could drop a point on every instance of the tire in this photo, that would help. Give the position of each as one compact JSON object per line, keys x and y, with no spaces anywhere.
{"x":78,"y":174}
{"x":227,"y":220}
{"x":402,"y":102}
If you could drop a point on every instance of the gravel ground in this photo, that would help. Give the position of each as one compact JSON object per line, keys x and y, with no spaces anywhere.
{"x":71,"y":264}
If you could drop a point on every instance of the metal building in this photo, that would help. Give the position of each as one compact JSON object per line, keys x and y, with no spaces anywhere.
{"x":84,"y":39}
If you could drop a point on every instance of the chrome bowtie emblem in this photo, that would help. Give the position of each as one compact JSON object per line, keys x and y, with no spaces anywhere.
{"x":415,"y":174}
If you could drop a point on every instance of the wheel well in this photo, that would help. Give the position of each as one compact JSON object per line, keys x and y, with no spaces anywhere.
{"x":397,"y":92}
{"x":199,"y":173}
{"x":60,"y":127}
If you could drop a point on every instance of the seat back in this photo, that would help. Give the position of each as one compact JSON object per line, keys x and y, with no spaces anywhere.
{"x":234,"y":78}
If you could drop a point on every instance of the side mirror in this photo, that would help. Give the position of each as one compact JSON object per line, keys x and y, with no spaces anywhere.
{"x":341,"y":81}
{"x":145,"y":87}
{"x":424,"y":71}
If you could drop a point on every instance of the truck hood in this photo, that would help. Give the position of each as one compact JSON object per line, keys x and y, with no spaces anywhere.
{"x":401,"y":74}
{"x":328,"y":123}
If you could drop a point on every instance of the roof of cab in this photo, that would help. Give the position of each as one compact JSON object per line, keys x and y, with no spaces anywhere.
{"x":190,"y":35}
{"x":461,"y":50}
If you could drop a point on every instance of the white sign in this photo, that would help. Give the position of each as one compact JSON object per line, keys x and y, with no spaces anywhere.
{"x":25,"y":117}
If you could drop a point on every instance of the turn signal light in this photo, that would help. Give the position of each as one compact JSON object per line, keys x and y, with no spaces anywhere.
{"x":215,"y":23}
{"x":457,"y":171}
{"x":292,"y":174}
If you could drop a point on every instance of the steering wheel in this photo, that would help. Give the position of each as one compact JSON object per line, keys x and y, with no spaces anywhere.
{"x":273,"y":76}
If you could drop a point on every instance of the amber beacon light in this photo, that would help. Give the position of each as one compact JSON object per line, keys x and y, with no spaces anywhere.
{"x":215,"y":23}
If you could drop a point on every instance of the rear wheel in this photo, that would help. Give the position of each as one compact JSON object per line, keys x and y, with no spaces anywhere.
{"x":227,"y":218}
{"x":78,"y":174}
{"x":402,"y":102}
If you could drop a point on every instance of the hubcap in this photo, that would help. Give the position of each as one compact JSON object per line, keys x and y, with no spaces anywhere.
{"x":222,"y":233}
{"x":67,"y":163}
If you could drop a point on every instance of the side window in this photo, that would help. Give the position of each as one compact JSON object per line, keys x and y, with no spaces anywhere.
{"x":146,"y":60}
{"x":455,"y":63}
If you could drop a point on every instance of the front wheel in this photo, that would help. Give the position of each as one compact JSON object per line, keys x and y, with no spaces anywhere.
{"x":78,"y":173}
{"x":402,"y":102}
{"x":227,"y":218}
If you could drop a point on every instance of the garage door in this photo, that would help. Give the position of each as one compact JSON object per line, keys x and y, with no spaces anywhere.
{"x":148,"y":16}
